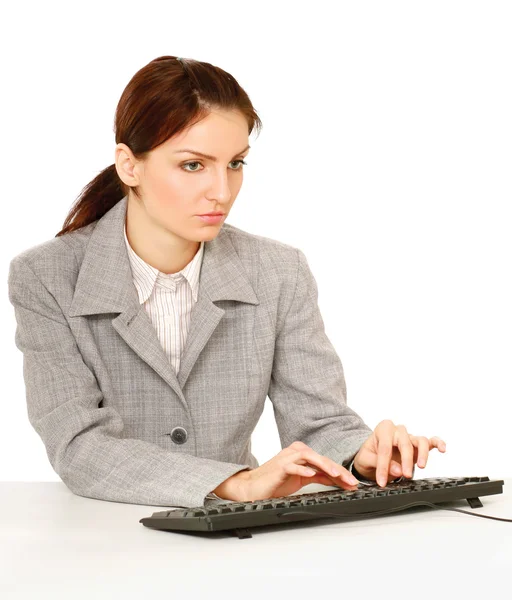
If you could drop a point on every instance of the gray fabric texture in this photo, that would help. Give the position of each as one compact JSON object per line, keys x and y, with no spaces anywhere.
{"x":101,"y":392}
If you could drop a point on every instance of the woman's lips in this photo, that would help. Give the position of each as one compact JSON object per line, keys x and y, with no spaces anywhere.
{"x":212,"y":219}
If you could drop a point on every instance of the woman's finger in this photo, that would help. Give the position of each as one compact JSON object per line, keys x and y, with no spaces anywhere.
{"x":403,"y":441}
{"x":336,"y":472}
{"x":436,"y":442}
{"x":423,"y":447}
{"x":343,"y":480}
{"x":384,"y":434}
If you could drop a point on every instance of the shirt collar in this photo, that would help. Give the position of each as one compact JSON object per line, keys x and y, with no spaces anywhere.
{"x":145,"y":277}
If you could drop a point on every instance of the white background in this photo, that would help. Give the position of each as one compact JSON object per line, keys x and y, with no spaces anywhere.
{"x":385,"y":156}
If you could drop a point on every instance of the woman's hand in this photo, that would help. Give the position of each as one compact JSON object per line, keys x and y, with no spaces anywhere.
{"x":390,"y":448}
{"x":286,"y":473}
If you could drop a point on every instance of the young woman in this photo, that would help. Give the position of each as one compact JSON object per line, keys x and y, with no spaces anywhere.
{"x":153,"y":331}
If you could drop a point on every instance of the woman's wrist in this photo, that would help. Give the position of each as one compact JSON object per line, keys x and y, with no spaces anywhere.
{"x":231,"y":488}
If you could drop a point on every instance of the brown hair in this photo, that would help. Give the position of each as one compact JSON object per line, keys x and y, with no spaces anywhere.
{"x":161,"y":100}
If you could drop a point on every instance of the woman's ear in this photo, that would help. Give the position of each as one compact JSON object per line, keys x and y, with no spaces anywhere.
{"x":126,"y":165}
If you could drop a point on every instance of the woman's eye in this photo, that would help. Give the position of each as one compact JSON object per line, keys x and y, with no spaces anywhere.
{"x":196,"y":162}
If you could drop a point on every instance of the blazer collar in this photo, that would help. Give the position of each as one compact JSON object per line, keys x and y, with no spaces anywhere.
{"x":105,"y":285}
{"x":105,"y":282}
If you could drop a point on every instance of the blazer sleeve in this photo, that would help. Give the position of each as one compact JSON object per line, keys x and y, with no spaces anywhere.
{"x":307,"y":386}
{"x":84,"y":442}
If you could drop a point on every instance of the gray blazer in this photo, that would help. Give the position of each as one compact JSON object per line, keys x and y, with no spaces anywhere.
{"x":117,"y":422}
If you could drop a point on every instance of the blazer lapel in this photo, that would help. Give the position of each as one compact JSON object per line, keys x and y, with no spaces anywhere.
{"x":105,"y":285}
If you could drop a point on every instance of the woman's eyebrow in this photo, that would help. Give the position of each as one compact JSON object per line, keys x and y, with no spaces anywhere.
{"x":207,"y":155}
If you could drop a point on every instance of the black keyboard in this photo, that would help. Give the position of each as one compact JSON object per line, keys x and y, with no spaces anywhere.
{"x":370,"y":500}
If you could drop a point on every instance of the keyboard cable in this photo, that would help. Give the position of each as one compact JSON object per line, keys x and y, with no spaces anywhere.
{"x":389,"y":510}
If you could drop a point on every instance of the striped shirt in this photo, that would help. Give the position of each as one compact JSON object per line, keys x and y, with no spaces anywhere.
{"x":168,"y":298}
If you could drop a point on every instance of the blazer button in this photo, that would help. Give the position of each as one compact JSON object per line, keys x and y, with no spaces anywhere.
{"x":179,"y":435}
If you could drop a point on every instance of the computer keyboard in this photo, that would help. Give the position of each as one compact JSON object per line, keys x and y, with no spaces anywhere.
{"x":365,"y":501}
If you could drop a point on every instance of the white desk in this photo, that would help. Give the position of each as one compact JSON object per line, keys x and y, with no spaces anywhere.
{"x":56,"y":545}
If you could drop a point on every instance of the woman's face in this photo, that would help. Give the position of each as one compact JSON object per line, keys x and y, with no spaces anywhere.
{"x":178,"y":186}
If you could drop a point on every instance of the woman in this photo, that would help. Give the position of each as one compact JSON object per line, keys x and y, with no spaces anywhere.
{"x":152,"y":334}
